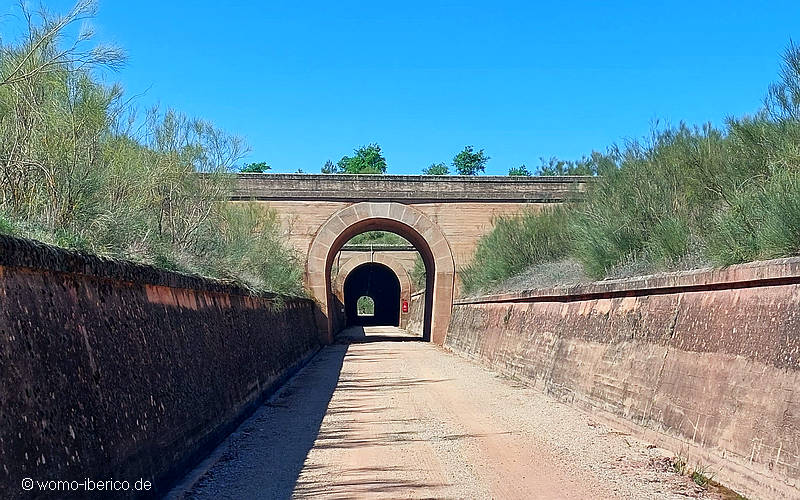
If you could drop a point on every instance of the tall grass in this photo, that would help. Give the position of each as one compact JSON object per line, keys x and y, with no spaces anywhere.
{"x":418,"y":274}
{"x":80,"y":169}
{"x":516,"y":243}
{"x":686,"y":194}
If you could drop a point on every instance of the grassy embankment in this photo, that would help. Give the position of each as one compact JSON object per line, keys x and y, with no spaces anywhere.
{"x":80,"y":169}
{"x":686,"y":197}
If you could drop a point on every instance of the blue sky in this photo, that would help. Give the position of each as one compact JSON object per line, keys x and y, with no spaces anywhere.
{"x":303,"y":82}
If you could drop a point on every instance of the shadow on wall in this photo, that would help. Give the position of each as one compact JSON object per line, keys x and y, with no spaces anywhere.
{"x":128,"y":371}
{"x":265,"y":456}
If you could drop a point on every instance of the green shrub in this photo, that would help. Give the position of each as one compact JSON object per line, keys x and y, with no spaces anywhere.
{"x":365,"y":306}
{"x":250,"y":244}
{"x":516,"y":243}
{"x":75,"y":173}
{"x":418,"y":274}
{"x":377,"y":238}
{"x":6,"y":226}
{"x":686,"y":196}
{"x":651,"y":205}
{"x":763,"y":222}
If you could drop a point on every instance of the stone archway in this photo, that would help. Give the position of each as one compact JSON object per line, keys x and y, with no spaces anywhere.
{"x":406,"y":287}
{"x":403,"y":220}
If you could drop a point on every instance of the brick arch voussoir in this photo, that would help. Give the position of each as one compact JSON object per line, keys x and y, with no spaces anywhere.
{"x":406,"y":221}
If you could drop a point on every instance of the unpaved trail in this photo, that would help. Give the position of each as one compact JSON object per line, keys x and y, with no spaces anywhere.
{"x":385,"y":418}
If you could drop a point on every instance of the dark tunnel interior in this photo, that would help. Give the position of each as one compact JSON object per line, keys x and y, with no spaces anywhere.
{"x":379,"y":283}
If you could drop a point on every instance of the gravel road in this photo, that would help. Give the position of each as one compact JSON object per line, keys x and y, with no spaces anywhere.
{"x":379,"y":416}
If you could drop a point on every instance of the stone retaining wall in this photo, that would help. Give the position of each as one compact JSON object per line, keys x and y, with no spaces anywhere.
{"x":704,"y":363}
{"x":416,"y":313}
{"x":114,"y":370}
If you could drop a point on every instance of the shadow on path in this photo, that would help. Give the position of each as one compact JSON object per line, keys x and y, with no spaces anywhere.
{"x":360,"y":335}
{"x":264,"y":457}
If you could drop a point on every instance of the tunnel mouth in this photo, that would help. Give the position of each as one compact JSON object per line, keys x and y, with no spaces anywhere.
{"x":365,"y":306}
{"x":406,"y":221}
{"x":339,"y":321}
{"x":375,"y":283}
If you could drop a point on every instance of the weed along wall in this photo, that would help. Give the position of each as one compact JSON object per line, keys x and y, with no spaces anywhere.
{"x":704,"y":364}
{"x":115,"y":370}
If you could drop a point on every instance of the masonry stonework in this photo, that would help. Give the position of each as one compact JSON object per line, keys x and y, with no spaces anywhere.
{"x":464,"y":208}
{"x":705,"y":363}
{"x":114,"y":370}
{"x":383,"y":258}
{"x":444,"y":217}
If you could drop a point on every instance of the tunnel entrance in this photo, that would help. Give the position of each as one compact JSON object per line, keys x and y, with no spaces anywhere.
{"x":403,"y":220}
{"x":380,"y":284}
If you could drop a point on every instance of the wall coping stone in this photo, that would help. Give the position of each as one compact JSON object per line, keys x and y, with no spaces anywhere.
{"x":366,"y":247}
{"x":504,"y":179}
{"x":418,"y":188}
{"x":27,"y":253}
{"x":752,"y":274}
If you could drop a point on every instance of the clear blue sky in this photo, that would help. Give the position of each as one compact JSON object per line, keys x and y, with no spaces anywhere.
{"x":304,"y":82}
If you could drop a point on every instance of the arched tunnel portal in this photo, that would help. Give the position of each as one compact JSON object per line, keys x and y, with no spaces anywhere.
{"x":380,"y":284}
{"x":403,"y":220}
{"x":406,"y":287}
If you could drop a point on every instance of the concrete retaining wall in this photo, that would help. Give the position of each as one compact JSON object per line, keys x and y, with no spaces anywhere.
{"x":703,"y":363}
{"x":115,"y":370}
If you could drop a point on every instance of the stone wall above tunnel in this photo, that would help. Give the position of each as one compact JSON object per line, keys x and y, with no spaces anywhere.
{"x":463,"y":207}
{"x":703,"y":363}
{"x":110,"y":369}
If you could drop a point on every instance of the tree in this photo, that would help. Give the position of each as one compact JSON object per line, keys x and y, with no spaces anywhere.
{"x":255,"y":168}
{"x":40,"y":55}
{"x":521,"y":171}
{"x":367,"y":160}
{"x":436,"y":169}
{"x":468,"y":162}
{"x":329,"y":168}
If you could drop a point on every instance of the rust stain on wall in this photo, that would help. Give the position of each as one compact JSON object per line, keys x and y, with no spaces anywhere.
{"x":99,"y":379}
{"x":160,"y":295}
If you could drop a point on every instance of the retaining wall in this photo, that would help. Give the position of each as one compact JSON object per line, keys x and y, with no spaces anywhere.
{"x":703,"y":363}
{"x":416,"y":313}
{"x":114,"y":370}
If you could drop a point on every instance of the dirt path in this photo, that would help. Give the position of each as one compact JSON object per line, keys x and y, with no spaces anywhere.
{"x":401,"y":419}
